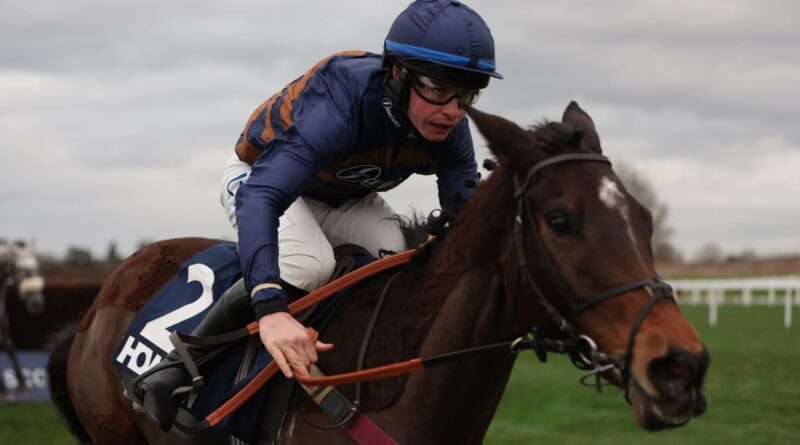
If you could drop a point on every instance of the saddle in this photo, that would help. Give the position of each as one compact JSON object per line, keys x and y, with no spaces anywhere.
{"x":224,"y":374}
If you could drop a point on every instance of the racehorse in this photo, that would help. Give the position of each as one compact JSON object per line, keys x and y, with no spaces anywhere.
{"x":551,"y":242}
{"x":19,"y":276}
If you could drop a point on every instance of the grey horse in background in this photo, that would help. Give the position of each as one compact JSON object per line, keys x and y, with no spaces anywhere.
{"x":20,"y":276}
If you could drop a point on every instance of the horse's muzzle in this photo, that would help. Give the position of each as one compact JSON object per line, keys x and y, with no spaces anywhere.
{"x":678,"y":378}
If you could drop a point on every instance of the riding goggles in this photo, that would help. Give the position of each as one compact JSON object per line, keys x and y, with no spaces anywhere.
{"x":437,"y":93}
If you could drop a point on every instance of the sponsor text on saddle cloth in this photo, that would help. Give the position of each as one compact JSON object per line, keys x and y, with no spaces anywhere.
{"x":180,"y":306}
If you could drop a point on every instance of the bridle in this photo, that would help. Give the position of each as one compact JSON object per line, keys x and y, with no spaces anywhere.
{"x":581,"y":348}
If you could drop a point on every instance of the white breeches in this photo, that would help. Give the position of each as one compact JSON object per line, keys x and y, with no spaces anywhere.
{"x":310,"y":229}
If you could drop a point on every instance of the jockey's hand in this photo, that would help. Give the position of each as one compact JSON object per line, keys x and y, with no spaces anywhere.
{"x":288,"y":343}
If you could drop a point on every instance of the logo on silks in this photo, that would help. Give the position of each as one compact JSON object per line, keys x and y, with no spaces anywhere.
{"x":366,"y":175}
{"x":387,"y":105}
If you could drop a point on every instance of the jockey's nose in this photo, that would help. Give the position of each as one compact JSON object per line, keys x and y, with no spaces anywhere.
{"x":451,"y":109}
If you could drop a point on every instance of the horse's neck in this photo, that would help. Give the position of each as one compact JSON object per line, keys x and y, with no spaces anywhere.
{"x":482,"y":231}
{"x":455,"y":402}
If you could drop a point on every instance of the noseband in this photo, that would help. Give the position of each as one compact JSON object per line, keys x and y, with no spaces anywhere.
{"x":580,"y":347}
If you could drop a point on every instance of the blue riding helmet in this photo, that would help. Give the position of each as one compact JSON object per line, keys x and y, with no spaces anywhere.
{"x":443,"y":39}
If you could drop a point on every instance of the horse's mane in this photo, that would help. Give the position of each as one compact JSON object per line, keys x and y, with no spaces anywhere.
{"x":414,"y":228}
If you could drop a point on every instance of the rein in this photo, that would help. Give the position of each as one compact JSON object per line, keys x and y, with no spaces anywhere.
{"x":224,"y":340}
{"x":541,"y":346}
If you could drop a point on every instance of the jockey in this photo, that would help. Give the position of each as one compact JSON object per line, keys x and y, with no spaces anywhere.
{"x":311,"y":159}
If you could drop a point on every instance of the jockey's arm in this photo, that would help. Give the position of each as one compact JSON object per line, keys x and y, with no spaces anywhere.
{"x":269,"y":191}
{"x":279,"y":177}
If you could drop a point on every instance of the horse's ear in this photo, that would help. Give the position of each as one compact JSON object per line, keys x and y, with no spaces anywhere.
{"x":506,"y":139}
{"x":576,"y":117}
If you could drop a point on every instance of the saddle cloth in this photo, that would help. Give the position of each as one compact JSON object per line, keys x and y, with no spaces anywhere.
{"x":180,"y":306}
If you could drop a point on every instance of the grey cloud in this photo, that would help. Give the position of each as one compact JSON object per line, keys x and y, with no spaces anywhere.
{"x":117,"y":116}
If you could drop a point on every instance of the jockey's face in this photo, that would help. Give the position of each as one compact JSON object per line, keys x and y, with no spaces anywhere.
{"x":433,"y":122}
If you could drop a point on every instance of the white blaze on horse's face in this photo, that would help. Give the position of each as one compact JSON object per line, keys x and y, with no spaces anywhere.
{"x":614,"y":199}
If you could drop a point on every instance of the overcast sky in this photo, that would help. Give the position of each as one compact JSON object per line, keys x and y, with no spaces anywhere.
{"x":117,"y":117}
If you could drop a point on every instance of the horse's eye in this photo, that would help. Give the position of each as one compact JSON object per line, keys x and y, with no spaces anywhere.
{"x":558,"y":223}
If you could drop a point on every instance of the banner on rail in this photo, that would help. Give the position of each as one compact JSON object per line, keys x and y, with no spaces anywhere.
{"x":34,"y":372}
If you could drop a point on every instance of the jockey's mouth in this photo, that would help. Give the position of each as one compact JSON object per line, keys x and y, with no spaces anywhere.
{"x":446,"y":126}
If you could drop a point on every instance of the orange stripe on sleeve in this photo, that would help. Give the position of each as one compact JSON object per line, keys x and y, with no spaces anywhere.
{"x":245,"y":150}
{"x":296,"y":88}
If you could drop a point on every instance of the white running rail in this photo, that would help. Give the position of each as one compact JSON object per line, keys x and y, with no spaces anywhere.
{"x":740,"y":291}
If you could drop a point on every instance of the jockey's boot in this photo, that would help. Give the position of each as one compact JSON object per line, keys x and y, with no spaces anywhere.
{"x":232,"y":312}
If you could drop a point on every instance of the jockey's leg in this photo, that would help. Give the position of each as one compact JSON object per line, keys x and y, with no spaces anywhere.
{"x":306,"y":262}
{"x":305,"y":255}
{"x":231,"y":312}
{"x":366,"y":222}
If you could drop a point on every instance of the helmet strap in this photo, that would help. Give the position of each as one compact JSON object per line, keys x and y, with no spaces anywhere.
{"x":398,"y":89}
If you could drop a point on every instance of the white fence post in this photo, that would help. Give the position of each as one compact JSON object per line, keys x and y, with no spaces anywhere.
{"x":696,"y":294}
{"x":712,"y":292}
{"x":712,"y":307}
{"x":787,"y":312}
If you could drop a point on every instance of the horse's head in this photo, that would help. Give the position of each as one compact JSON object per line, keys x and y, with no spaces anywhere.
{"x":582,"y":264}
{"x":20,"y":270}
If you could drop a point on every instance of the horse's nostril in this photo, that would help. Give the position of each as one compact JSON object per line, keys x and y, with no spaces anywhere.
{"x":674,"y":372}
{"x":677,"y":368}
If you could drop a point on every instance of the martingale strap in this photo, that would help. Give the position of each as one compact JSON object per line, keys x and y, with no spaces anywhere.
{"x":344,"y":414}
